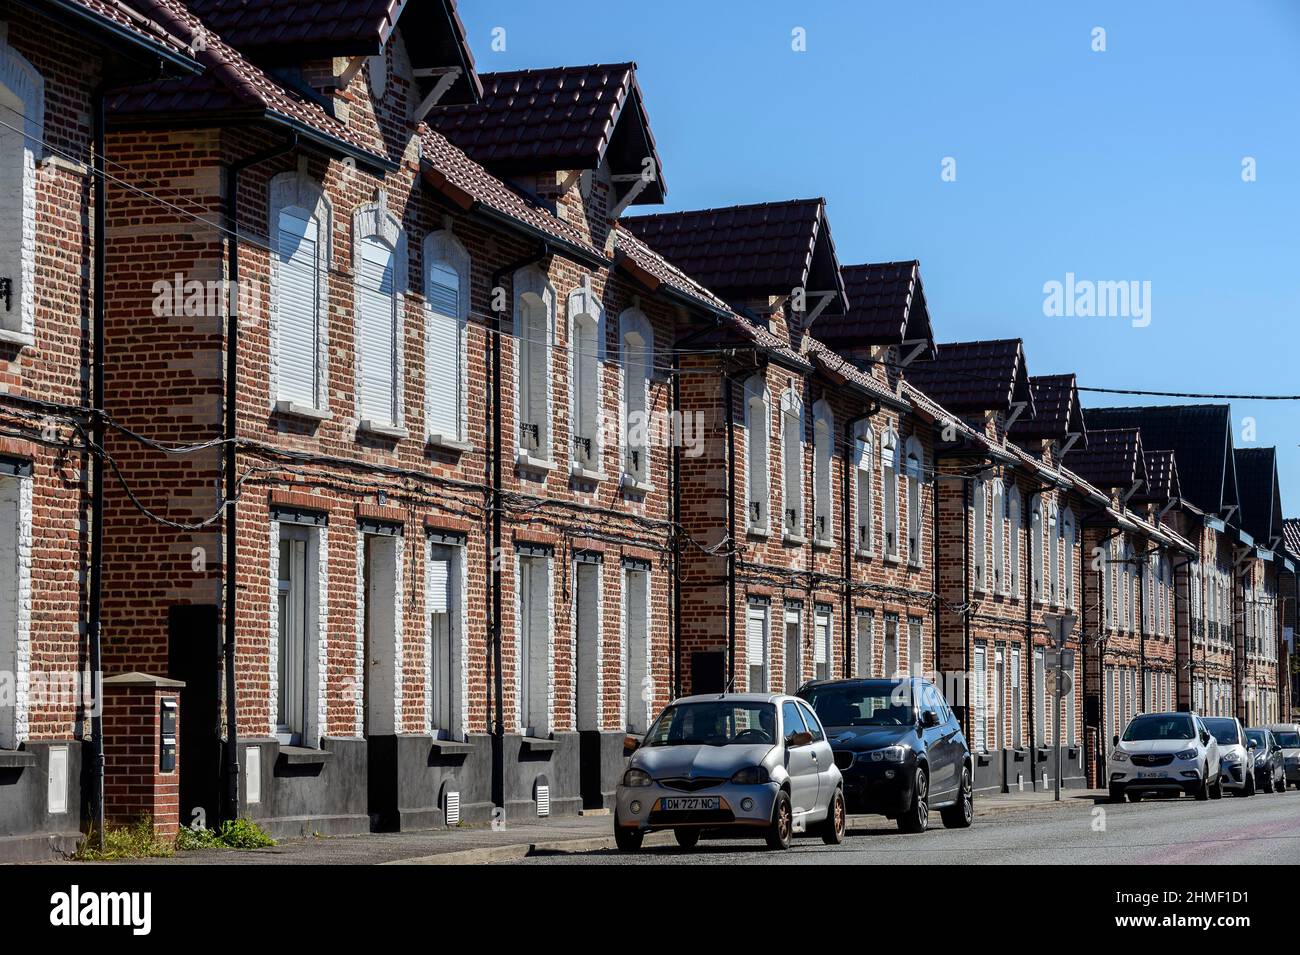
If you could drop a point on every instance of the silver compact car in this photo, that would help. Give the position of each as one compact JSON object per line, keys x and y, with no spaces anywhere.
{"x":1288,"y":737}
{"x":734,"y":764}
{"x":1164,"y":753}
{"x":1236,"y":760}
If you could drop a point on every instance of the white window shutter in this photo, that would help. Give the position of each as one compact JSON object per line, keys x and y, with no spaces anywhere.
{"x":444,"y":374}
{"x":755,"y":625}
{"x":378,"y":331}
{"x":439,"y":585}
{"x":822,"y":633}
{"x":297,"y":308}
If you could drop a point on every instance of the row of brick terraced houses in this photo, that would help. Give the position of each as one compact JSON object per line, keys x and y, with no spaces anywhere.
{"x":390,"y":472}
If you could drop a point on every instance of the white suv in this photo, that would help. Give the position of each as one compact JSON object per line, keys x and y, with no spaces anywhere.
{"x":1164,"y":752}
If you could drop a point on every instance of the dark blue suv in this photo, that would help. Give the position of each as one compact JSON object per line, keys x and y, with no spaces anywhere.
{"x":899,"y":748}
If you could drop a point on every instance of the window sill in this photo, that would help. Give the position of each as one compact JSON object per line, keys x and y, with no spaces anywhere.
{"x":586,"y":474}
{"x":635,"y":486}
{"x":762,"y":533}
{"x":527,"y":462}
{"x":391,"y":431}
{"x":450,"y":747}
{"x":916,"y":564}
{"x":535,"y":744}
{"x":890,"y":558}
{"x":444,"y":443}
{"x":17,"y":759}
{"x":865,"y":554}
{"x":294,"y":410}
{"x":794,"y":540}
{"x":22,"y":339}
{"x":823,"y":545}
{"x":304,"y":756}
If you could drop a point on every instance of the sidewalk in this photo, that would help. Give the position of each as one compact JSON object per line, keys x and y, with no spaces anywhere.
{"x":472,"y":845}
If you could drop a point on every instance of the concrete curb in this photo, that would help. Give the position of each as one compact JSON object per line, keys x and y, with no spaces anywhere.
{"x":521,"y":850}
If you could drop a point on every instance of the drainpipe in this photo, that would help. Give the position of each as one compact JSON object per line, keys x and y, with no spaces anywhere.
{"x":496,"y":689}
{"x":94,"y":623}
{"x":731,"y":530}
{"x":966,"y":495}
{"x":1142,"y":636}
{"x":1081,"y":601}
{"x":233,"y":171}
{"x":934,"y":546}
{"x":675,"y":476}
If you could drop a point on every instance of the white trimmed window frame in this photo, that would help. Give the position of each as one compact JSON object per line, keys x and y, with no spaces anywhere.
{"x":914,"y":471}
{"x":315,"y":649}
{"x":534,"y":297}
{"x":864,"y":484}
{"x":374,"y":221}
{"x":792,"y":453}
{"x":22,"y":96}
{"x":889,"y":523}
{"x":586,"y":320}
{"x":297,"y":191}
{"x":16,"y":608}
{"x":636,"y":340}
{"x":758,"y":421}
{"x":458,"y":585}
{"x":823,"y":484}
{"x":443,"y":249}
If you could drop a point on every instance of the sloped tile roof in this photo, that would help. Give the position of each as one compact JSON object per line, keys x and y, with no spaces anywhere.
{"x":1261,"y":504}
{"x":1057,"y":413}
{"x":750,"y":251}
{"x":1162,"y":475}
{"x":562,"y":118}
{"x":1113,"y":459}
{"x":230,"y":85}
{"x":122,"y":16}
{"x":886,"y":307}
{"x":1291,"y":532}
{"x":975,"y":376}
{"x":1199,"y":435}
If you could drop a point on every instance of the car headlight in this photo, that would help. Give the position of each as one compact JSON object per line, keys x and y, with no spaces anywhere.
{"x":636,"y":778}
{"x":750,"y":776}
{"x":1186,"y":754}
{"x":1232,"y":757}
{"x":1119,"y":756}
{"x":887,"y":754}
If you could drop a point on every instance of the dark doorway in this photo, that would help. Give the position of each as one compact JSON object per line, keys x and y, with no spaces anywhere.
{"x":194,"y":657}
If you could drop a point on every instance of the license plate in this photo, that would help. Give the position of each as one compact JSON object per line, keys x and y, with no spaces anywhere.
{"x":688,"y":803}
{"x":1151,"y":775}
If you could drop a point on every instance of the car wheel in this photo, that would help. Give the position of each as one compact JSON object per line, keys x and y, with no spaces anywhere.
{"x":1249,"y":789}
{"x":1216,"y":790}
{"x":961,"y":813}
{"x":1134,"y":797}
{"x":687,"y":838}
{"x":836,"y":823}
{"x":917,"y":816}
{"x":781,"y":829}
{"x":1116,"y":794}
{"x":1267,"y":784}
{"x":1203,"y":793}
{"x":627,"y":840}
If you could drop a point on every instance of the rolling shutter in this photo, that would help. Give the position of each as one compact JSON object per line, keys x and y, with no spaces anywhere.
{"x":822,"y":628}
{"x":439,"y":585}
{"x":297,"y":305}
{"x":443,"y":367}
{"x":376,"y":294}
{"x":755,"y":636}
{"x":981,"y":694}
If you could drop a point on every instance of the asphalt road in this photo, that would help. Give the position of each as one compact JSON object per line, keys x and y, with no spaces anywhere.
{"x":1263,"y":829}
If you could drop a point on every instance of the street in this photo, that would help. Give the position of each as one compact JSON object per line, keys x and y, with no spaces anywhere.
{"x":1264,"y":829}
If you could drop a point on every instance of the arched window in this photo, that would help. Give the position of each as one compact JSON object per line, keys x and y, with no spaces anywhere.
{"x":22,"y":101}
{"x":534,"y":320}
{"x":1129,"y":600}
{"x":889,"y":489}
{"x":823,"y":448}
{"x":637,"y":343}
{"x":979,"y":556}
{"x":1054,"y":554}
{"x":1036,"y":548}
{"x":792,"y":425}
{"x":586,"y":345}
{"x":864,"y":472}
{"x":446,"y":293}
{"x":999,"y":536}
{"x":301,"y":224}
{"x":1069,"y":543}
{"x":758,"y":427}
{"x":914,"y":463}
{"x":380,"y":262}
{"x":1015,"y":529}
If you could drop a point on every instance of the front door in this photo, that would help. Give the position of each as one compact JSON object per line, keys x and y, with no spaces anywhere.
{"x":800,"y":761}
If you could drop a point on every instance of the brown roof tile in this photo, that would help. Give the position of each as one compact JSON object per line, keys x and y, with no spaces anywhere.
{"x":121,"y":15}
{"x":1113,"y":459}
{"x":564,"y":118}
{"x":886,"y":307}
{"x":975,"y":376}
{"x":1261,"y":498}
{"x":750,"y":251}
{"x":1162,"y":475}
{"x":1057,"y":413}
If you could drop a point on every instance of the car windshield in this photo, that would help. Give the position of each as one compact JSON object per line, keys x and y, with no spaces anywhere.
{"x":1224,"y":730}
{"x":714,"y":723}
{"x":1160,"y":726}
{"x":1287,"y":740}
{"x":1258,"y":737}
{"x":872,"y":703}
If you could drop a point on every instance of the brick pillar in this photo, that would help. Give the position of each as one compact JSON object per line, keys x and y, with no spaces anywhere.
{"x":137,"y":781}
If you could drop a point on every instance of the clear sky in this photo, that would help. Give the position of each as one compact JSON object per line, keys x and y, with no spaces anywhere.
{"x":1121,"y":165}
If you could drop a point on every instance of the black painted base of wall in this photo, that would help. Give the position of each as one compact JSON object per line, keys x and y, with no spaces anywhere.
{"x":325,"y":794}
{"x":27,"y":831}
{"x":530,"y":763}
{"x":410,"y":776}
{"x":602,"y":766}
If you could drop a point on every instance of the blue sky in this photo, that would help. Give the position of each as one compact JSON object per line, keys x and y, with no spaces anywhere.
{"x":1122,"y":165}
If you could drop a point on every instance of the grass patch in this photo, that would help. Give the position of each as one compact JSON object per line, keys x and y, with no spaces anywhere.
{"x":136,"y":841}
{"x":233,"y":834}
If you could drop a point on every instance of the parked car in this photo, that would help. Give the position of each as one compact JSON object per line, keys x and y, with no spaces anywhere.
{"x":1288,"y":737}
{"x":1235,"y":759}
{"x":754,"y":764}
{"x":1270,"y":763}
{"x":1164,"y":752}
{"x":900,"y":748}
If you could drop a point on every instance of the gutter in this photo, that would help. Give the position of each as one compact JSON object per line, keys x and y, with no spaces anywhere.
{"x":230,"y":432}
{"x":125,"y":38}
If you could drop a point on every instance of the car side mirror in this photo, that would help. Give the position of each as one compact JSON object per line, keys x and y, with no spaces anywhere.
{"x":929,"y":718}
{"x":1205,"y":739}
{"x":1253,"y":744}
{"x":1114,"y":740}
{"x":798,"y":739}
{"x":630,"y":745}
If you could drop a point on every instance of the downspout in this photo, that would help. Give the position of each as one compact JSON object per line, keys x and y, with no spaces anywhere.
{"x":731,"y":530}
{"x":1081,"y":601}
{"x":1142,"y":636}
{"x":496,"y":688}
{"x":966,"y":491}
{"x":1030,"y":666}
{"x":1178,"y":652}
{"x":674,"y":657}
{"x":233,"y":171}
{"x":94,"y":623}
{"x":934,"y":546}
